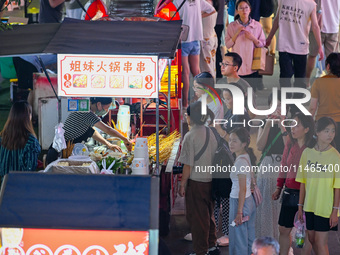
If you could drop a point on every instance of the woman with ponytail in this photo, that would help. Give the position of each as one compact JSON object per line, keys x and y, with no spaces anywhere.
{"x":242,"y":205}
{"x":326,"y":94}
{"x":319,"y":176}
{"x":198,"y":149}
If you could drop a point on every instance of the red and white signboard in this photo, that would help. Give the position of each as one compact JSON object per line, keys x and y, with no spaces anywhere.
{"x":107,"y":76}
{"x":18,"y":241}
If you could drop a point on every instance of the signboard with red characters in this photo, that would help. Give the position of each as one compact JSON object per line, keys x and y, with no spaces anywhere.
{"x":108,"y":76}
{"x":18,"y":241}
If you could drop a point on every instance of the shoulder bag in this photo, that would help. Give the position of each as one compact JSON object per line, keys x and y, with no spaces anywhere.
{"x":256,"y":191}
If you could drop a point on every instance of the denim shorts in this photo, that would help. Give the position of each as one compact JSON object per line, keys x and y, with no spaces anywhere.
{"x":190,"y":48}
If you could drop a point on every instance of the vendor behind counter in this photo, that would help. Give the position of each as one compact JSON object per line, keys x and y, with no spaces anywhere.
{"x":79,"y":127}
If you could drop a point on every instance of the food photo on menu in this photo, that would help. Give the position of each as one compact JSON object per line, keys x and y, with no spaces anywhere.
{"x":98,"y":81}
{"x":80,"y":80}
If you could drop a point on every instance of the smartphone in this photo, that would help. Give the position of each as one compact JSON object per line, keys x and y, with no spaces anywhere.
{"x":244,"y":219}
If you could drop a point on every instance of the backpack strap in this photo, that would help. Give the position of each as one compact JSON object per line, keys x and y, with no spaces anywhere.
{"x":217,"y":135}
{"x":199,"y":154}
{"x":269,"y":147}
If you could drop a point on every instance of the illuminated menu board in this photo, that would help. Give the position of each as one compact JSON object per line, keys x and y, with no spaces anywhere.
{"x":19,"y":241}
{"x":107,"y":76}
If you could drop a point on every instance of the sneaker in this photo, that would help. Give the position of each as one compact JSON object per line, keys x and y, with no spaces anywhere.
{"x":214,"y":251}
{"x":223,"y":241}
{"x":188,"y":237}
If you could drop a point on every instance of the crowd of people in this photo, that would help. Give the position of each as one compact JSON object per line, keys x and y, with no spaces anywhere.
{"x":309,"y":148}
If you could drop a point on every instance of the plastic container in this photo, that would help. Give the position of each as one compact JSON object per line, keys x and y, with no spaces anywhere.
{"x":141,"y":142}
{"x":33,"y":15}
{"x":79,"y":158}
{"x":80,"y":149}
{"x":141,"y":150}
{"x":139,"y":167}
{"x":123,"y":118}
{"x":300,"y":236}
{"x":138,"y":163}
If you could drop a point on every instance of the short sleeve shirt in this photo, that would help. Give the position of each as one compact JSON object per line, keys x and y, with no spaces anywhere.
{"x":241,"y":166}
{"x":191,"y":14}
{"x":78,"y":123}
{"x":192,"y":143}
{"x":320,"y":172}
{"x":326,"y":90}
{"x":48,"y":14}
{"x":294,"y":25}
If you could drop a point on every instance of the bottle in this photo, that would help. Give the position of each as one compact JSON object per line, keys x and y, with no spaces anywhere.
{"x":300,"y":236}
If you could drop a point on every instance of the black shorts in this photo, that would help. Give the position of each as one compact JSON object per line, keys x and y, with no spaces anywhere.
{"x":287,"y":214}
{"x":318,"y":223}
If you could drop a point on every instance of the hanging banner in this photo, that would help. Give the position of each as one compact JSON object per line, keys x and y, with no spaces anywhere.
{"x":19,"y":241}
{"x":107,"y":76}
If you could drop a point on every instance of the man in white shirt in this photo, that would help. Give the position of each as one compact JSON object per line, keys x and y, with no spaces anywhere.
{"x":295,"y":18}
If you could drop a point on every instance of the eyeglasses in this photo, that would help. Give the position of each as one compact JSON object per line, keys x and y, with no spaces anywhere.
{"x":225,"y":64}
{"x":245,"y":9}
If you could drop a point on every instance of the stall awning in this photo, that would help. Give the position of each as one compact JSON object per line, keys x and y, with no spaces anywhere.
{"x":29,"y":39}
{"x":99,"y":37}
{"x":66,"y":201}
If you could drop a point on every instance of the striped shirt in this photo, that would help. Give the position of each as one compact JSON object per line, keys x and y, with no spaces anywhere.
{"x":25,"y":159}
{"x":78,"y":123}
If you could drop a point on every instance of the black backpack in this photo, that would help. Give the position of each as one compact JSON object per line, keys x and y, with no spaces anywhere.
{"x":221,"y":182}
{"x":223,"y":160}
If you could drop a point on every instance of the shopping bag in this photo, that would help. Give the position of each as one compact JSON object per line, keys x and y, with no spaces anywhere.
{"x":259,"y":59}
{"x":319,"y":70}
{"x":269,"y":68}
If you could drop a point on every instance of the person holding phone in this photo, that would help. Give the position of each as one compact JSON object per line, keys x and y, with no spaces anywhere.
{"x":242,"y":205}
